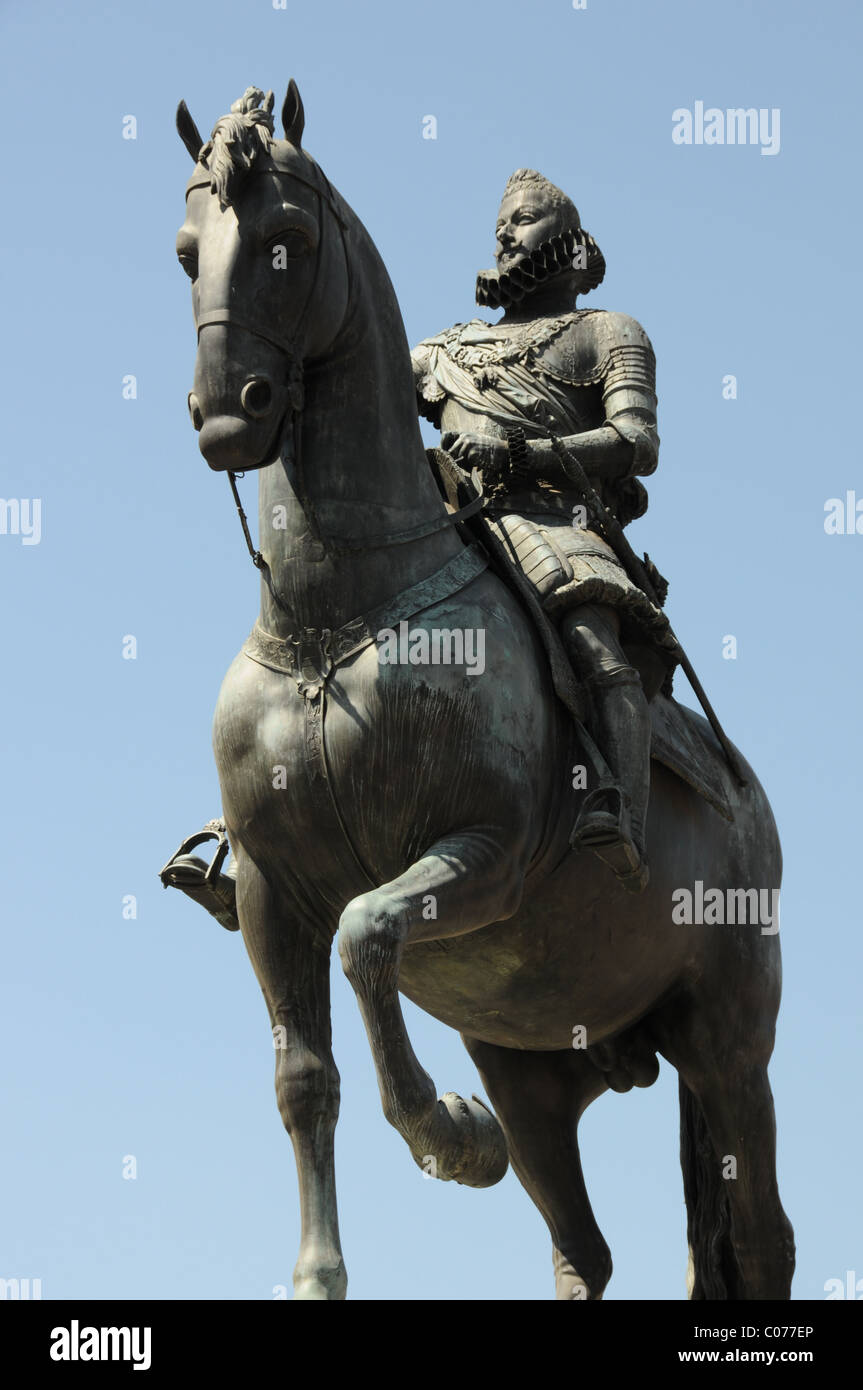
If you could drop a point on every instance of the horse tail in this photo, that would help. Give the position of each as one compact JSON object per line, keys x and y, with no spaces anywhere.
{"x":713,"y":1269}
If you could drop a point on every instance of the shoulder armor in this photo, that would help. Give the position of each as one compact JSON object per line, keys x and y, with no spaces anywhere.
{"x":627,"y":361}
{"x":619,"y":330}
{"x":602,"y":346}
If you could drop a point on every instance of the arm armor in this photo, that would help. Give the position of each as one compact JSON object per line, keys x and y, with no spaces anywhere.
{"x":627,"y":445}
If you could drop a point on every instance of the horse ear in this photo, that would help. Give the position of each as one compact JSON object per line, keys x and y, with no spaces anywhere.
{"x":293,"y":115}
{"x":189,"y":133}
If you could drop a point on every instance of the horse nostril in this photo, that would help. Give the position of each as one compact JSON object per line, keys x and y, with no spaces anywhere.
{"x":256,"y":397}
{"x":195,"y":411}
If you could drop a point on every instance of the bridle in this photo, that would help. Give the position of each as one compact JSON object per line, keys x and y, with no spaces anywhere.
{"x":288,"y":347}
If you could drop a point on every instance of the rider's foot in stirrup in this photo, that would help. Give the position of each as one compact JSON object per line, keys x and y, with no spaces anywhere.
{"x":603,"y":826}
{"x":207,"y":885}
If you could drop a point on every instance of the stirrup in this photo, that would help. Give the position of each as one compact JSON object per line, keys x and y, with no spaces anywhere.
{"x":205,"y":884}
{"x":608,"y":834}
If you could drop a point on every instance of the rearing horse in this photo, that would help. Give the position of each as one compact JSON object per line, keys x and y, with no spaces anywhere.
{"x":421,"y":809}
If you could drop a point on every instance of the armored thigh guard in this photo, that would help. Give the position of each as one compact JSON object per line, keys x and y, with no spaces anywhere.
{"x":571,"y":566}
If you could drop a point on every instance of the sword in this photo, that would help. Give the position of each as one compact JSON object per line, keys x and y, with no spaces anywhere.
{"x":608,"y":526}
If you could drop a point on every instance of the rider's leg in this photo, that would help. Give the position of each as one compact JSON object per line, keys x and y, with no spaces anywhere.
{"x":613,"y":825}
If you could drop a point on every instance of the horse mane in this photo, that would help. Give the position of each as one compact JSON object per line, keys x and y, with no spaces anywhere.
{"x":238,"y":139}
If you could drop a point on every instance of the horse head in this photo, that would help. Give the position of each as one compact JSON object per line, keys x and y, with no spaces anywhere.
{"x":262,"y":243}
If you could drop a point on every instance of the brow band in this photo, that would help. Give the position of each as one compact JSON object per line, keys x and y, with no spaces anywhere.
{"x":324,"y":193}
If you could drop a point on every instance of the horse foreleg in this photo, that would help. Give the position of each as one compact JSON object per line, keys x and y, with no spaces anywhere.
{"x":540,"y":1098}
{"x":292,"y":966}
{"x":462,"y":884}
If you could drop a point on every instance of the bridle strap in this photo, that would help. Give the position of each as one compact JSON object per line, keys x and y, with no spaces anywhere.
{"x":257,"y":558}
{"x":325,"y":193}
{"x":412,"y":533}
{"x":216,"y":316}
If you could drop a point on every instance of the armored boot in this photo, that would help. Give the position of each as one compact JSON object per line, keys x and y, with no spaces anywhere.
{"x":612,"y":817}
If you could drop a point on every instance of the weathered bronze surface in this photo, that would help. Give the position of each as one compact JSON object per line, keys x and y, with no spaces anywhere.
{"x":425,"y":811}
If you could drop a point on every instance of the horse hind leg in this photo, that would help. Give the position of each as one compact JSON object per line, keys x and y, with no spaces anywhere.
{"x":293,"y":970}
{"x":539,"y":1098}
{"x":739,"y":1116}
{"x":741,"y":1240}
{"x":473,"y":879}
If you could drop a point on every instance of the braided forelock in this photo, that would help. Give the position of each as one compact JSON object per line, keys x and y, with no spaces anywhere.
{"x":237,"y":141}
{"x":548,"y":191}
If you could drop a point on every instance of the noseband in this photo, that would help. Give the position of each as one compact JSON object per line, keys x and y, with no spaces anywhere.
{"x":287,"y":346}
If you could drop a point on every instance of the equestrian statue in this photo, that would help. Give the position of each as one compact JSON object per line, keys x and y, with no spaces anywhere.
{"x":450,"y":741}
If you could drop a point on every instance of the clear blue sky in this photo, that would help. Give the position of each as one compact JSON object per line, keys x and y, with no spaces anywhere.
{"x":149,"y":1037}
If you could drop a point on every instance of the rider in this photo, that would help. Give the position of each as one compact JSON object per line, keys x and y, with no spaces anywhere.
{"x":498,"y":393}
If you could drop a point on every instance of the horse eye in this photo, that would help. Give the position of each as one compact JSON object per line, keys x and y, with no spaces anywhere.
{"x":291,"y":241}
{"x":189,"y":261}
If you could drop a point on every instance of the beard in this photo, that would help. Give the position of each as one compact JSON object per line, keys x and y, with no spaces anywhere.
{"x":571,"y":250}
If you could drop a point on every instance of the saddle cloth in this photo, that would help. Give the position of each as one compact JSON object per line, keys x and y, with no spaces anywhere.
{"x":678,"y":743}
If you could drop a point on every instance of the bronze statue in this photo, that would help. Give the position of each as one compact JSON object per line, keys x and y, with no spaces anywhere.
{"x":420,"y":807}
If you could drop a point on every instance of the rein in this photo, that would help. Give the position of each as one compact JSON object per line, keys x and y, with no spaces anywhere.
{"x":377,"y":542}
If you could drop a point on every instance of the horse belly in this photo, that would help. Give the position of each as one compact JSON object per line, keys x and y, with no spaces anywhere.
{"x":582,"y":953}
{"x":535,"y":980}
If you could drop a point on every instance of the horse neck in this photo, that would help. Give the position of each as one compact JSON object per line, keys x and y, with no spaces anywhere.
{"x":360,"y":471}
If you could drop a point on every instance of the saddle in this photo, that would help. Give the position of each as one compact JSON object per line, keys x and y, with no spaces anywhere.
{"x":682,"y":741}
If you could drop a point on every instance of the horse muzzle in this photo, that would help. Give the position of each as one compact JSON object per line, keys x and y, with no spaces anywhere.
{"x":245,"y":436}
{"x":243,"y":392}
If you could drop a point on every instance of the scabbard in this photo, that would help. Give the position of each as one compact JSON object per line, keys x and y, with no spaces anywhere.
{"x":611,"y":530}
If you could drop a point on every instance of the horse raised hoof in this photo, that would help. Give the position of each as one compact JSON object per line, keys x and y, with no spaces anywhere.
{"x":464,"y":1143}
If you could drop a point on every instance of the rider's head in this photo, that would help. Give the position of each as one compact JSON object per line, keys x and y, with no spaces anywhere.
{"x":532,"y":211}
{"x":544,"y":257}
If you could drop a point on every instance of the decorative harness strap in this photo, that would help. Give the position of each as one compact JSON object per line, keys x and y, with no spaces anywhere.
{"x":311,"y":656}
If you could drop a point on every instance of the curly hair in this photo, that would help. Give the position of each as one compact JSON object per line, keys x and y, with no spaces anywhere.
{"x":548,"y":191}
